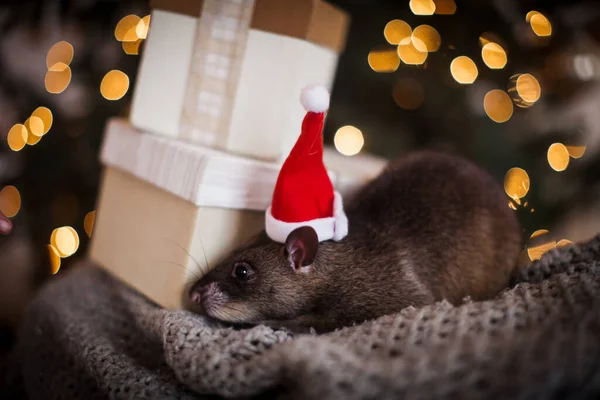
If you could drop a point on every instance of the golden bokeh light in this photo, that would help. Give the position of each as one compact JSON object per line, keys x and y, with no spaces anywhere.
{"x":516,"y":183}
{"x":498,"y":106}
{"x":141,"y":29}
{"x":45,"y":115}
{"x":426,"y":39}
{"x":463,"y":70}
{"x":35,"y":126}
{"x":531,"y":14}
{"x":491,"y":37}
{"x":494,"y":56}
{"x":422,"y":7}
{"x":60,"y":53}
{"x":17,"y":137}
{"x":536,"y":252}
{"x":396,"y":30}
{"x":54,"y":259}
{"x":33,"y":140}
{"x":540,"y":25}
{"x":558,"y":157}
{"x":66,"y":241}
{"x":57,"y":81}
{"x":348,"y":140}
{"x":563,"y":242}
{"x":576,"y":151}
{"x":409,"y":54}
{"x":114,"y":85}
{"x":132,"y":48}
{"x":88,"y":222}
{"x":445,"y":7}
{"x":383,"y":59}
{"x":408,"y":94}
{"x":10,"y":201}
{"x":528,"y":88}
{"x":58,"y":67}
{"x":126,"y":29}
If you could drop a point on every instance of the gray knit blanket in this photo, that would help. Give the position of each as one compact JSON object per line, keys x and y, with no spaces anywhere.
{"x":87,"y":336}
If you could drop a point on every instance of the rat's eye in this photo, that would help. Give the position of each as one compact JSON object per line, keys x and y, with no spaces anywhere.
{"x":241,"y":271}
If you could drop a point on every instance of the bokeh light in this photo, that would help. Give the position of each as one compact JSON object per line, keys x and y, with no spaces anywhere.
{"x":59,"y":53}
{"x":383,"y":59}
{"x":558,"y":157}
{"x":56,"y":81}
{"x":563,"y":242}
{"x":132,"y":48}
{"x":576,"y":151}
{"x":540,"y":25}
{"x":45,"y":115}
{"x":348,"y":140}
{"x":408,"y":94}
{"x":114,"y":85}
{"x":516,"y":183}
{"x":65,"y":240}
{"x":10,"y":201}
{"x":17,"y":137}
{"x":426,"y":39}
{"x":126,"y":29}
{"x":498,"y":106}
{"x":536,"y":252}
{"x":396,"y":30}
{"x":527,"y":87}
{"x":54,"y":259}
{"x":422,"y":7}
{"x":88,"y":222}
{"x":445,"y":7}
{"x":463,"y":70}
{"x":35,"y":126}
{"x":409,"y":54}
{"x":141,"y":29}
{"x":494,"y":56}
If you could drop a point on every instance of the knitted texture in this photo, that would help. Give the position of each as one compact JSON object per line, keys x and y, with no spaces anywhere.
{"x":87,"y":336}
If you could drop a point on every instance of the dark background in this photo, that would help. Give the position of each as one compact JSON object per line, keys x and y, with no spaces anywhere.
{"x":58,"y":179}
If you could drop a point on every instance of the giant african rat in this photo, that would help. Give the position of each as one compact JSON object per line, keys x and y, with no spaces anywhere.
{"x":432,"y":226}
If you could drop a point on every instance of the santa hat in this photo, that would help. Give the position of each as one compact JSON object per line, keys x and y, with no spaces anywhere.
{"x":304,"y":194}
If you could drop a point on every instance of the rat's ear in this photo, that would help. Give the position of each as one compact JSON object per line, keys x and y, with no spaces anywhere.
{"x":301,"y":247}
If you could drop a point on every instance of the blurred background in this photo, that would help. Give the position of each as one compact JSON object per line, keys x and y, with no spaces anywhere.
{"x":513,"y":85}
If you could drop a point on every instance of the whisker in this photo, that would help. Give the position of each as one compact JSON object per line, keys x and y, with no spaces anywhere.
{"x":189,"y":254}
{"x":194,"y":273}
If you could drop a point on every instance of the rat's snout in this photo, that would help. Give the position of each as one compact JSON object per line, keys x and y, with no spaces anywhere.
{"x":205,"y":295}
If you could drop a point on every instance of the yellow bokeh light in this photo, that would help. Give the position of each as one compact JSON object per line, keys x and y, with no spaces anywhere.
{"x":445,"y":7}
{"x":348,"y":140}
{"x":528,"y":88}
{"x":536,"y":252}
{"x":126,"y":29}
{"x":422,"y":7}
{"x":54,"y":259}
{"x":45,"y":115}
{"x":57,"y":81}
{"x":516,"y":183}
{"x":426,"y":39}
{"x":576,"y":151}
{"x":66,"y":241}
{"x":558,"y":157}
{"x":132,"y":48}
{"x":383,"y":60}
{"x":114,"y":85}
{"x":61,"y":52}
{"x":88,"y":222}
{"x":409,"y":54}
{"x":490,"y":37}
{"x":563,"y":242}
{"x":396,"y":30}
{"x":17,"y":137}
{"x":463,"y":70}
{"x":531,"y":14}
{"x":10,"y":201}
{"x":35,"y":126}
{"x":494,"y":56}
{"x":408,"y":94}
{"x":498,"y":106}
{"x":33,"y":140}
{"x":141,"y":29}
{"x":541,"y":25}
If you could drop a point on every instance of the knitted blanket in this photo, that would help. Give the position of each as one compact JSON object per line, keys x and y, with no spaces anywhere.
{"x":87,"y":336}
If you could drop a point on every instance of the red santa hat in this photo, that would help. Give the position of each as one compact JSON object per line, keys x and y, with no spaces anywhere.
{"x":304,"y":194}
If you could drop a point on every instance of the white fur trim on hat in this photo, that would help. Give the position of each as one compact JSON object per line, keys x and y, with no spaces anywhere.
{"x":335,"y":227}
{"x":315,"y":98}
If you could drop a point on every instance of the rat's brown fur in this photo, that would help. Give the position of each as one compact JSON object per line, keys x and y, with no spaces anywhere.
{"x":430,"y":227}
